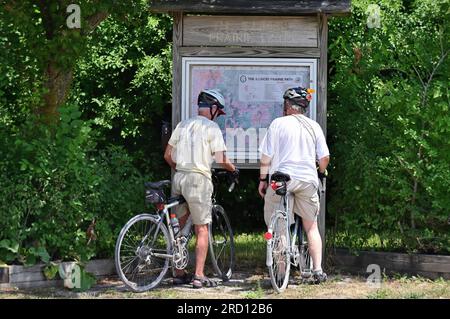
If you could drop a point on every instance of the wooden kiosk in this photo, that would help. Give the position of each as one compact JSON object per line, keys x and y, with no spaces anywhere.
{"x":243,"y":47}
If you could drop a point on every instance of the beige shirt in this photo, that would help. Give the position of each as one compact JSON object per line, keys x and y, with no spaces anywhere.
{"x":195,"y":141}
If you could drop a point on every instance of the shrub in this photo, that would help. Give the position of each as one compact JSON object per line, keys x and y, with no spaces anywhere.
{"x":55,"y":184}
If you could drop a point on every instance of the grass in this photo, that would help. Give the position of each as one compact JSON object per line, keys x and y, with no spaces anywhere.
{"x":379,"y":294}
{"x":256,"y":293}
{"x":389,"y":242}
{"x":373,"y":242}
{"x":250,"y":251}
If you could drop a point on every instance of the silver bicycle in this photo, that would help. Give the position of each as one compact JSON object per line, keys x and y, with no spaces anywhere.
{"x":286,"y":244}
{"x":147,"y":245}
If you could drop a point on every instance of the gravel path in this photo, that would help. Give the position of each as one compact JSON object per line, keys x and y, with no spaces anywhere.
{"x":247,"y":286}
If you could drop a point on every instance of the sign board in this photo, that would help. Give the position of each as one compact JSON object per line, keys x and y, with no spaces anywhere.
{"x":252,"y":31}
{"x":253,"y":89}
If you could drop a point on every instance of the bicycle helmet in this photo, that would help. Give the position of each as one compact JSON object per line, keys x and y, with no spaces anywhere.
{"x":209,"y":97}
{"x":299,"y":96}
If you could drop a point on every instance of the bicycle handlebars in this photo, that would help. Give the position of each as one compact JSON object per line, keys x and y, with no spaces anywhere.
{"x":232,"y":177}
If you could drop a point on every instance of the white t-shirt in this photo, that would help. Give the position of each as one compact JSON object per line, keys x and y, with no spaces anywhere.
{"x":293,"y":147}
{"x":195,"y":141}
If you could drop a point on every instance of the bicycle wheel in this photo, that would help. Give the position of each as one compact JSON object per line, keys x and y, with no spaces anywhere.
{"x":138,"y":240}
{"x":221,"y":243}
{"x":278,"y":257}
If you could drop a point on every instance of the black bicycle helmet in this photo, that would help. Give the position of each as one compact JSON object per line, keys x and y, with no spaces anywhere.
{"x":299,"y":96}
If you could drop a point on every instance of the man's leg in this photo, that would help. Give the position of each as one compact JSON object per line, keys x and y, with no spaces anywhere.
{"x":315,"y":249}
{"x":198,"y":196}
{"x":201,"y":249}
{"x":314,"y":242}
{"x":306,"y":204}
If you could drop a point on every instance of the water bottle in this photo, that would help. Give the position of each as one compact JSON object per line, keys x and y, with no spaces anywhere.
{"x":175,"y":224}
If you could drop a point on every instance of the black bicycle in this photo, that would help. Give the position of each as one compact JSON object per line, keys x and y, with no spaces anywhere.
{"x":147,"y":245}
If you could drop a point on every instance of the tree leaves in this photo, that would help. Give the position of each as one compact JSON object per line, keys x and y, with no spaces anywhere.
{"x":388,"y":124}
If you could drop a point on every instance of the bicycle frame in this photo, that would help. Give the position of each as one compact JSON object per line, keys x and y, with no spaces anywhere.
{"x":293,"y":234}
{"x":162,"y":215}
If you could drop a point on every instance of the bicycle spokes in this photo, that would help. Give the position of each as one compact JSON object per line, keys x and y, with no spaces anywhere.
{"x":220,"y":240}
{"x":140,"y":248}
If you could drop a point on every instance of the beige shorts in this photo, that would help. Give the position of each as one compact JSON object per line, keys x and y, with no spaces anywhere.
{"x":197,"y":189}
{"x":304,"y":199}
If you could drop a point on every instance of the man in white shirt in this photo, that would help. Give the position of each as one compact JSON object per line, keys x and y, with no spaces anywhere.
{"x":191,"y":150}
{"x":292,"y":145}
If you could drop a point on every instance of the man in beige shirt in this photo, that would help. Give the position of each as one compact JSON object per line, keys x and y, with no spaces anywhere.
{"x":192,"y":148}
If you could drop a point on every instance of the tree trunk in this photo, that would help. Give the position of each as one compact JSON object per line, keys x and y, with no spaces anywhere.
{"x":57,"y":83}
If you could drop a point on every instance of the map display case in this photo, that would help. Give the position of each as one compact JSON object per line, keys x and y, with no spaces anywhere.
{"x":253,"y":89}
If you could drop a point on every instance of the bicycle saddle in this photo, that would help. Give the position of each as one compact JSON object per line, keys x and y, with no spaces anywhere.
{"x":280,"y":177}
{"x":157,"y":185}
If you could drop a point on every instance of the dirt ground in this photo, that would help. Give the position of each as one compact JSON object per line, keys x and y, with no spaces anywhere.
{"x":246,"y":286}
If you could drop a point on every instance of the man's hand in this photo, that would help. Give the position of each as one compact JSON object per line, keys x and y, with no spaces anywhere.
{"x":322,"y":175}
{"x":233,"y":176}
{"x":262,"y":189}
{"x":235,"y":173}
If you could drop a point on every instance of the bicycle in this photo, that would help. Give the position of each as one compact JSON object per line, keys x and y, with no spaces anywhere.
{"x":286,"y":245}
{"x":147,"y":245}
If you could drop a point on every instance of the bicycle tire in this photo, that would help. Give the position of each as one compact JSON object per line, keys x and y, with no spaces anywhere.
{"x":221,"y":243}
{"x":162,"y":243}
{"x":278,"y":252}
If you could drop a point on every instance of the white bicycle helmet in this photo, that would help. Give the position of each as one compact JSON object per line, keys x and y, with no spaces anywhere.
{"x":210,"y":97}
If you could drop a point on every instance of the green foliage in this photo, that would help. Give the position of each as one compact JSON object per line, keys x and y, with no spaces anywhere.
{"x":123,"y":84}
{"x":389,"y":126}
{"x":57,"y":181}
{"x":40,"y":49}
{"x":51,"y":270}
{"x":54,"y":184}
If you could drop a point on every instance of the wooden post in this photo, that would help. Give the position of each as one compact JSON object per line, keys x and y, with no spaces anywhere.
{"x":322,"y":110}
{"x":177,"y":68}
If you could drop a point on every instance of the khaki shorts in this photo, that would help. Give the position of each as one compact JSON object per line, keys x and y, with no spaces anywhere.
{"x":197,"y":189}
{"x":303,"y":198}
